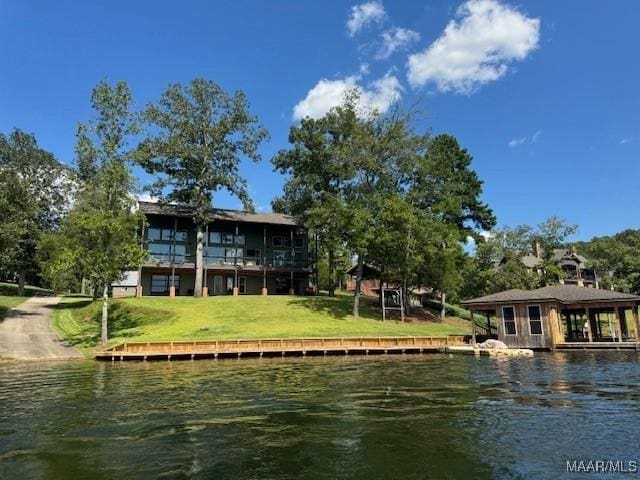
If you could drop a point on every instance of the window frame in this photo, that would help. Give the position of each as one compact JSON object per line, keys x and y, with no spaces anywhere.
{"x":504,"y":322}
{"x":539,"y":319}
{"x":242,"y":285}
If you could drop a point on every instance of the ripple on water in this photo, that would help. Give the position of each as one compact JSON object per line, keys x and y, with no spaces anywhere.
{"x":382,"y":417}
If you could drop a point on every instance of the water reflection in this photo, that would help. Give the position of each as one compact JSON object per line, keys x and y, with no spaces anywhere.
{"x":430,"y":416}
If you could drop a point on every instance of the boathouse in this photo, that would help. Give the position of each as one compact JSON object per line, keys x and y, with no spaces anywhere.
{"x":561,"y":316}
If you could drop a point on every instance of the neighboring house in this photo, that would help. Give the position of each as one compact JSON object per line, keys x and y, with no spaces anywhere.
{"x":244,"y":253}
{"x":127,"y":287}
{"x":550,"y":316}
{"x":370,"y":283}
{"x":575,"y":267}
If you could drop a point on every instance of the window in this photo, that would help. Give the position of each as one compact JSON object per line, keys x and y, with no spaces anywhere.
{"x":180,"y":252}
{"x":181,"y":236}
{"x":299,"y":242}
{"x":509,"y":320}
{"x":253,"y":256}
{"x":215,"y":237}
{"x":215,"y":254}
{"x":535,"y":320}
{"x":242,"y":284}
{"x":160,"y":251}
{"x":240,"y":239}
{"x":167,"y":234}
{"x":154,"y":234}
{"x":281,"y":241}
{"x":231,"y":254}
{"x":160,"y":284}
{"x":279,"y":258}
{"x":227,"y":238}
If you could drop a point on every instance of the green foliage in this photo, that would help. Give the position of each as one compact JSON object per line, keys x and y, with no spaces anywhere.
{"x":34,"y":190}
{"x":616,"y":258}
{"x":99,"y":239}
{"x":199,"y":133}
{"x":443,"y":184}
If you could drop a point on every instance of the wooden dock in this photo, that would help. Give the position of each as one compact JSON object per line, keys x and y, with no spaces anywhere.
{"x":277,"y":347}
{"x":598,"y":346}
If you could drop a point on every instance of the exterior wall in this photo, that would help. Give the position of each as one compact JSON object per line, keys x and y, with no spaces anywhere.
{"x":229,"y":245}
{"x":123,"y":291}
{"x":523,"y":338}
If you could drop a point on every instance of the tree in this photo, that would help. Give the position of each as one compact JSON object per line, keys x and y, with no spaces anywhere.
{"x":443,"y":184}
{"x":318,"y":167}
{"x":201,"y":133}
{"x":34,"y":190}
{"x":100,"y":237}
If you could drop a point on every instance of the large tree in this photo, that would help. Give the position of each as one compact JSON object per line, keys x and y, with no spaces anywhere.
{"x":99,"y":239}
{"x":197,"y":135}
{"x":318,"y":166}
{"x":34,"y":194}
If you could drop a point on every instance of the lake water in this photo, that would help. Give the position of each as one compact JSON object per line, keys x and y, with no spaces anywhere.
{"x":404,"y":417}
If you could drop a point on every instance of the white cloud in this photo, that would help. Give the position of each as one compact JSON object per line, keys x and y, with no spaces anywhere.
{"x":516,"y":142}
{"x":535,"y":136}
{"x":475,"y":48}
{"x":394,"y":39}
{"x":626,"y":140}
{"x":326,"y":94}
{"x":364,"y":14}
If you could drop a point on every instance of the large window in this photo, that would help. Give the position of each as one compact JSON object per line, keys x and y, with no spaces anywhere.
{"x":281,"y":241}
{"x":165,"y":234}
{"x":299,"y":242}
{"x":509,"y":320}
{"x":280,"y":258}
{"x":535,"y":319}
{"x":160,"y":284}
{"x":242,"y":284}
{"x":215,"y":237}
{"x":227,"y":238}
{"x":165,"y":252}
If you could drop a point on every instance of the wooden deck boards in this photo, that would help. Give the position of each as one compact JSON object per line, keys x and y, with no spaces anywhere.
{"x":283,"y":347}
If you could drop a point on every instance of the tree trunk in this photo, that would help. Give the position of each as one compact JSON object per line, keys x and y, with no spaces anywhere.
{"x":332,"y":273}
{"x":443,"y":308}
{"x":405,"y":294}
{"x":197,"y":290}
{"x":356,"y":293}
{"x":105,"y":314}
{"x":21,"y":282}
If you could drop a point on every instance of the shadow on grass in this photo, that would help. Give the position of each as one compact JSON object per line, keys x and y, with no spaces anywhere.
{"x":338,"y":307}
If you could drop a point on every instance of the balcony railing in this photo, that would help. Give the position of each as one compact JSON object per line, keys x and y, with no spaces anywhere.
{"x":223,"y":261}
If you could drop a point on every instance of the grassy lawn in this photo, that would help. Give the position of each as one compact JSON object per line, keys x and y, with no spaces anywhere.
{"x":248,"y":317}
{"x":10,"y":299}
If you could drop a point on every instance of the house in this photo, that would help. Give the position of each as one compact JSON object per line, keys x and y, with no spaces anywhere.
{"x":549,"y":317}
{"x":370,"y":282}
{"x":244,"y":253}
{"x":575,"y":267}
{"x":127,"y":286}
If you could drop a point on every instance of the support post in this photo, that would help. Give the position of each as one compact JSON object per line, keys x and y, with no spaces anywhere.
{"x":488,"y":322}
{"x":636,"y":322}
{"x":616,"y":313}
{"x":473,"y":329}
{"x":588,"y":323}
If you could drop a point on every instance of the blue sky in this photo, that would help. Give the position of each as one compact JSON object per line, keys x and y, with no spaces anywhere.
{"x":544,"y":94}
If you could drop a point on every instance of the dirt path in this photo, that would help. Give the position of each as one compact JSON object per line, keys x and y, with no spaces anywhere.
{"x":26,"y":333}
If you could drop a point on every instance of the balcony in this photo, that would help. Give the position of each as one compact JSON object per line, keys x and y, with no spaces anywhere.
{"x":228,"y":262}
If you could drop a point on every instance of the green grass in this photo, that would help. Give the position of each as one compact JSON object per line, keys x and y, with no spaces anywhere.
{"x":77,"y":319}
{"x":9,"y":296}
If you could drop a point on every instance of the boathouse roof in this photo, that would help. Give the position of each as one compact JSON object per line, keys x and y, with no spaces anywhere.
{"x":559,"y":293}
{"x":154,"y":208}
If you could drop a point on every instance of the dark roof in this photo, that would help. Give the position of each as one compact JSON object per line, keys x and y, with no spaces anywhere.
{"x":152,"y":208}
{"x":367,"y":271}
{"x":560,"y":293}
